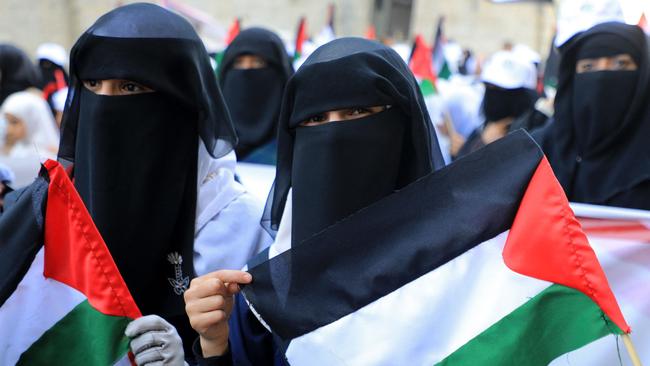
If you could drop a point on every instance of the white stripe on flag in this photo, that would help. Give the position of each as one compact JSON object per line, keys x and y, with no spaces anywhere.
{"x":479,"y":279}
{"x":607,"y":212}
{"x":36,"y":305}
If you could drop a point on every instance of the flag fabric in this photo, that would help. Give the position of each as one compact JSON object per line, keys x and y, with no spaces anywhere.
{"x":483,"y":255}
{"x":440,"y":64}
{"x":233,"y":31}
{"x":301,"y":36}
{"x":62,"y":300}
{"x":621,"y":239}
{"x":643,"y":24}
{"x":421,"y":66}
{"x":371,"y":33}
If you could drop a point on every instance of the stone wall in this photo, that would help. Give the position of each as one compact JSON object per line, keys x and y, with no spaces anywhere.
{"x":478,"y":24}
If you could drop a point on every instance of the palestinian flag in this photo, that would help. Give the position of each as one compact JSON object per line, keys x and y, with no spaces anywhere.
{"x":440,"y":64}
{"x":62,"y":299}
{"x":621,"y":239}
{"x":479,"y":263}
{"x":371,"y":33}
{"x":643,"y":23}
{"x":301,"y":36}
{"x":233,"y":31}
{"x":421,"y":66}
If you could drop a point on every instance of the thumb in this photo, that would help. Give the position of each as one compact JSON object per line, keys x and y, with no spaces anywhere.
{"x":146,"y":324}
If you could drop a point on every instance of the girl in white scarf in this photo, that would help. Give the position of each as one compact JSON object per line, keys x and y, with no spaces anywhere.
{"x":30,"y":127}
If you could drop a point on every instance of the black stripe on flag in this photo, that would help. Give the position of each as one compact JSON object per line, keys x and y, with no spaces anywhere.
{"x":21,"y":234}
{"x":394,"y":241}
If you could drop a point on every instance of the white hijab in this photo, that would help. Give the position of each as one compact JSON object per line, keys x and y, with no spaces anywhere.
{"x":42,"y":138}
{"x":215,"y":185}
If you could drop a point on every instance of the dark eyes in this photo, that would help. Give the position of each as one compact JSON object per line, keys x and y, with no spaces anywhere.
{"x":131,"y":87}
{"x":316,"y":118}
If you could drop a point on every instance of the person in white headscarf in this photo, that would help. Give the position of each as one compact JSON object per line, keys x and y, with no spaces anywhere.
{"x":30,"y":127}
{"x":30,"y":135}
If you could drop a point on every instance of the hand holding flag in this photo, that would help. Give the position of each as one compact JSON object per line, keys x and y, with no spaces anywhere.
{"x":209,"y":302}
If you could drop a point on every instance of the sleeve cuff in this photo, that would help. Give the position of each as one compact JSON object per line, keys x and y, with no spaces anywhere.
{"x":223,"y":360}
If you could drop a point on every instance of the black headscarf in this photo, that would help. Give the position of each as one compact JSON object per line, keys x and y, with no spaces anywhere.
{"x":598,"y":142}
{"x":135,"y":156}
{"x":17,"y":72}
{"x":254,"y":95}
{"x":342,"y":167}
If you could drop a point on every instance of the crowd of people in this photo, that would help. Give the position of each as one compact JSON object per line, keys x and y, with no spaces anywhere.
{"x":151,"y":133}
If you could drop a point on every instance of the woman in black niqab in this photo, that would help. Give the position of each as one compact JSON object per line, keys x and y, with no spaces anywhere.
{"x":598,"y":142}
{"x":253,"y":95}
{"x":134,"y":157}
{"x":330,"y":169}
{"x":337,"y":168}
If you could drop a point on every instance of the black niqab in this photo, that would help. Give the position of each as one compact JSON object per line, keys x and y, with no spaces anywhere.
{"x":253,"y":96}
{"x":157,"y":48}
{"x":499,"y":103}
{"x":598,"y":142}
{"x":17,"y":72}
{"x":386,"y":150}
{"x":135,"y":156}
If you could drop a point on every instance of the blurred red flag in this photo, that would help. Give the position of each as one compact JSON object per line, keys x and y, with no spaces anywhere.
{"x":233,"y":31}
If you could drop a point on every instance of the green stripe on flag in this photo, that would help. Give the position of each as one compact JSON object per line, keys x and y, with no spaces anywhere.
{"x":445,"y":72}
{"x":427,"y":87}
{"x":556,"y":321}
{"x":83,"y":337}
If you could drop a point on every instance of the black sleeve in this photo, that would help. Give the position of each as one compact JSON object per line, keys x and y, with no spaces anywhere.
{"x":223,"y":360}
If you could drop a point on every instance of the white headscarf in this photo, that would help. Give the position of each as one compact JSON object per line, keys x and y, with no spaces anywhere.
{"x":41,"y":137}
{"x":215,"y":185}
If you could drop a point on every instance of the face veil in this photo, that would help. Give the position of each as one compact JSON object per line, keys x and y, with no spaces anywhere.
{"x":348,"y":73}
{"x":134,"y":157}
{"x":254,"y":95}
{"x":598,"y":150}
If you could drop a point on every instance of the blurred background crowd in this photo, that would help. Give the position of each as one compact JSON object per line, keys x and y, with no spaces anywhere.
{"x":485,"y":67}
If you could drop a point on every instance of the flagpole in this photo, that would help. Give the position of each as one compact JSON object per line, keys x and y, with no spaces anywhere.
{"x":631,"y":350}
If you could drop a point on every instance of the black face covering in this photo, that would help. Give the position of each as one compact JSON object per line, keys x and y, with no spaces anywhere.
{"x":500,"y":103}
{"x":135,"y":170}
{"x":600,"y":102}
{"x":253,"y":97}
{"x":598,"y":143}
{"x":341,"y":167}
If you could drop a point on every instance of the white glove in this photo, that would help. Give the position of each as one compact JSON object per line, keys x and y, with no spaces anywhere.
{"x":154,"y":342}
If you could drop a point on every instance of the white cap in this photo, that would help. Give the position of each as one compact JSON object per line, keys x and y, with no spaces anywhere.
{"x":526,"y":53}
{"x":52,"y":52}
{"x":507,"y":70}
{"x":575,"y":16}
{"x":58,"y":99}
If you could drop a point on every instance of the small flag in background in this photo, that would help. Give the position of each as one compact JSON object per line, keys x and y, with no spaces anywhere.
{"x":233,"y":31}
{"x":487,"y":254}
{"x":301,"y":36}
{"x":421,"y":66}
{"x":643,"y":23}
{"x":371,"y":34}
{"x":440,"y":64}
{"x":62,"y":298}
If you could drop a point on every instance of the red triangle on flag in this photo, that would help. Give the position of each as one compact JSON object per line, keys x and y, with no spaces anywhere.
{"x":421,"y":64}
{"x":233,"y":31}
